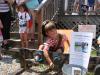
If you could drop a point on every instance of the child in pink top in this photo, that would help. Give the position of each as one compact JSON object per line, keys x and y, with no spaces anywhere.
{"x":54,"y":40}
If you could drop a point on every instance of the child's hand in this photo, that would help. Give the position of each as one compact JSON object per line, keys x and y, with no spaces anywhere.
{"x":51,"y":66}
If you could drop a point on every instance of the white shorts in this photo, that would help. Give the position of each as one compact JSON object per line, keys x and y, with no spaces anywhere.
{"x":22,"y":29}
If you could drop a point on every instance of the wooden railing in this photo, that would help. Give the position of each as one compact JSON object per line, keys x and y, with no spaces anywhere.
{"x":47,"y":10}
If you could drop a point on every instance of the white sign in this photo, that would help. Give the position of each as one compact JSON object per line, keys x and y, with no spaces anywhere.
{"x":87,"y":28}
{"x":80,"y":48}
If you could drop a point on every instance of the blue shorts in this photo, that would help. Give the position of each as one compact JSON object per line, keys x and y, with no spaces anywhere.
{"x":91,"y":3}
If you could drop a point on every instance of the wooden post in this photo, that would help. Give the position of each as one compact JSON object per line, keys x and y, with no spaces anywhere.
{"x":39,"y":21}
{"x":22,"y":58}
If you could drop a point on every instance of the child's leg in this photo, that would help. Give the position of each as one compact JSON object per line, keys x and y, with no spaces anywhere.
{"x":60,"y":50}
{"x":26,"y":39}
{"x":22,"y":40}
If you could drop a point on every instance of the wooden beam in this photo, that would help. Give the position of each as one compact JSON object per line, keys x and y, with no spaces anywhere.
{"x":39,"y":21}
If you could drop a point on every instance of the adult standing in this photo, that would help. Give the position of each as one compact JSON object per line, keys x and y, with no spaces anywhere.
{"x":5,"y":16}
{"x":79,"y":7}
{"x":91,"y":4}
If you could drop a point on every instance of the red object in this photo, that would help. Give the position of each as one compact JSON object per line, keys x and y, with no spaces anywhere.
{"x":30,"y":23}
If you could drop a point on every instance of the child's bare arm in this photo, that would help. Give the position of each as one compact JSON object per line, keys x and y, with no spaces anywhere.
{"x":46,"y":54}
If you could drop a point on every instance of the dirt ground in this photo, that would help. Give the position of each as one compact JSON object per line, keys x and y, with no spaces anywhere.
{"x":9,"y":66}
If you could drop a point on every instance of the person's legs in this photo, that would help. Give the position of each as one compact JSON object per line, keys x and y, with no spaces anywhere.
{"x":90,"y":10}
{"x":22,"y":40}
{"x":57,"y":55}
{"x":25,"y":39}
{"x":5,"y":18}
{"x":31,"y":34}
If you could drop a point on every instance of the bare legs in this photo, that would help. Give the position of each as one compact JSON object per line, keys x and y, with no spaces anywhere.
{"x":24,"y":40}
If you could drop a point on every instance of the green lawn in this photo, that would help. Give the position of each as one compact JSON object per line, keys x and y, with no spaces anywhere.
{"x":93,"y":54}
{"x":90,"y":73}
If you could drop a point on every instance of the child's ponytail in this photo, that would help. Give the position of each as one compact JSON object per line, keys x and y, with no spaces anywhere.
{"x":43,"y":27}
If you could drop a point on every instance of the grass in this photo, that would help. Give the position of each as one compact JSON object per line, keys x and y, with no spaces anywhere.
{"x":90,"y":73}
{"x":93,"y":53}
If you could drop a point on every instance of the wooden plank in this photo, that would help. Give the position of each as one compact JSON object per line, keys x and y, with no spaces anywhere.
{"x":10,"y":50}
{"x":14,"y":49}
{"x":18,"y":49}
{"x":68,"y":34}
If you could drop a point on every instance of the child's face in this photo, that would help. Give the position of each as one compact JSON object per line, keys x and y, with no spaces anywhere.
{"x":21,"y":9}
{"x":52,"y":33}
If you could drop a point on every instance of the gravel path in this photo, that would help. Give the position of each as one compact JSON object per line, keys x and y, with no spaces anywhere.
{"x":8,"y":66}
